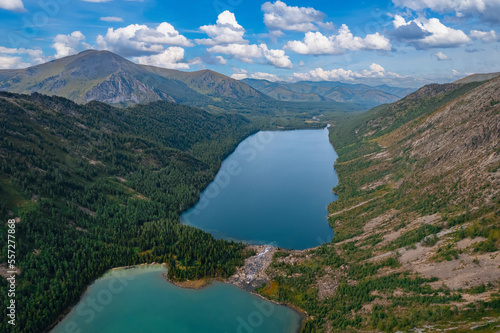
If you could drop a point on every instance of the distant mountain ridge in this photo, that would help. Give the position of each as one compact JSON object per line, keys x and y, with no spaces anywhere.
{"x":208,"y":82}
{"x":107,"y":77}
{"x":311,"y":91}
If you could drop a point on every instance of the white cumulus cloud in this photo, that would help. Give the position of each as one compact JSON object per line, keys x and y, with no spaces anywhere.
{"x":433,"y":34}
{"x":12,"y":62}
{"x":485,"y":36}
{"x":221,"y":60}
{"x":248,"y":52}
{"x":35,"y":56}
{"x":239,"y":74}
{"x":139,"y":40}
{"x":276,"y":57}
{"x":440,"y":56}
{"x":164,"y":34}
{"x":171,"y":57}
{"x":209,"y":59}
{"x":316,"y":43}
{"x":487,"y":10}
{"x":14,"y":5}
{"x":279,"y":16}
{"x":12,"y":58}
{"x":226,"y":37}
{"x":66,"y":45}
{"x":225,"y":31}
{"x":244,"y":52}
{"x":265,"y":76}
{"x":340,"y":74}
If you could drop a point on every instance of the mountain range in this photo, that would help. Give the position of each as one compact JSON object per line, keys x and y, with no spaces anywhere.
{"x":107,"y":77}
{"x":308,"y":91}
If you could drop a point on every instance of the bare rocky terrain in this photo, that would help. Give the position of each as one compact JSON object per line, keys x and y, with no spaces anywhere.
{"x":253,"y":274}
{"x":425,"y":205}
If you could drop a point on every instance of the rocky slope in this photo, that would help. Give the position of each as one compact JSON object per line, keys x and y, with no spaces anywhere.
{"x":106,"y":77}
{"x":417,"y":223}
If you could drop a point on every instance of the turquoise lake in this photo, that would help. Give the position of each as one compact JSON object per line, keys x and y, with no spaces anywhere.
{"x":141,"y":300}
{"x":273,"y":189}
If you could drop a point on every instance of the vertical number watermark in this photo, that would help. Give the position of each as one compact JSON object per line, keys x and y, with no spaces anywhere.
{"x":11,"y":264}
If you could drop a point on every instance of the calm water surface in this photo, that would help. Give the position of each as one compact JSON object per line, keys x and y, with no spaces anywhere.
{"x":141,"y":300}
{"x":274,"y":189}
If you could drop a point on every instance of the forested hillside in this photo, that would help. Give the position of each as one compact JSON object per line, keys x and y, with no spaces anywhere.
{"x":417,"y":222}
{"x":94,"y":187}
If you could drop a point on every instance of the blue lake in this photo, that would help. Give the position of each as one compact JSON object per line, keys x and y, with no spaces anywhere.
{"x":274,"y":189}
{"x":141,"y":300}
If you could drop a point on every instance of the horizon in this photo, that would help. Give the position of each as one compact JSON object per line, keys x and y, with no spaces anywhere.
{"x":248,"y":78}
{"x":398,"y":43}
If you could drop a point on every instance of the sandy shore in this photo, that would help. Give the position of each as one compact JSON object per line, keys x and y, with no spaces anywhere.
{"x":191,"y":284}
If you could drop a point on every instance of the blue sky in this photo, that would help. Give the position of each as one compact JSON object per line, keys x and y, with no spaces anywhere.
{"x":398,"y":42}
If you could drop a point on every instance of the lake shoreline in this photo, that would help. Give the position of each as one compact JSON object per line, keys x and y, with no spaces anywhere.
{"x":189,"y":285}
{"x":209,"y":282}
{"x":265,"y":252}
{"x":63,"y":314}
{"x":302,"y":313}
{"x":260,"y":170}
{"x":248,"y":276}
{"x":205,"y":282}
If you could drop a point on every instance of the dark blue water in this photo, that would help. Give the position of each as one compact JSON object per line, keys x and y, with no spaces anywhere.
{"x":274,"y":189}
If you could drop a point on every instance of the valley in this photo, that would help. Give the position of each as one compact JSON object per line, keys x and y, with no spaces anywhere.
{"x":235,"y":166}
{"x":416,"y":226}
{"x":95,"y":186}
{"x":304,"y":91}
